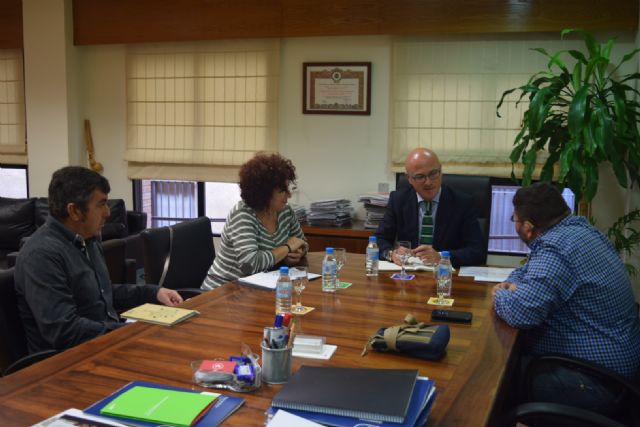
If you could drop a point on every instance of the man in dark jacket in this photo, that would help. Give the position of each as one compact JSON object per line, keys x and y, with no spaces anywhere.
{"x":432,"y":217}
{"x":64,"y":293}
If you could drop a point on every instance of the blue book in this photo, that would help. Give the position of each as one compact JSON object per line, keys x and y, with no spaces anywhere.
{"x":222,"y":407}
{"x":422,"y":399}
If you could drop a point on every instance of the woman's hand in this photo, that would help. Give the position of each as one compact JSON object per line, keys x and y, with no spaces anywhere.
{"x":296,"y":243}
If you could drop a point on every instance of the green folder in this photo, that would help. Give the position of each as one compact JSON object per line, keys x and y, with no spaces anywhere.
{"x":160,"y":406}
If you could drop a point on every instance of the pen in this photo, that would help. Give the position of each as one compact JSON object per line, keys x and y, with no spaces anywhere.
{"x":278,"y":322}
{"x":291,"y":335}
{"x":286,"y":320}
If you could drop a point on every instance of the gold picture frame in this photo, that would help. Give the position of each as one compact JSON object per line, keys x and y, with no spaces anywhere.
{"x":336,"y":88}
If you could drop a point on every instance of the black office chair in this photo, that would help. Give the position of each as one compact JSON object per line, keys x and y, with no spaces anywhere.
{"x":121,"y":269}
{"x":179,"y":256}
{"x":479,"y":187}
{"x":626,"y":411}
{"x":13,"y":342}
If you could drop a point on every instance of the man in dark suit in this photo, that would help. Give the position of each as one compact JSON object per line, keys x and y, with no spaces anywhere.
{"x":431,"y":216}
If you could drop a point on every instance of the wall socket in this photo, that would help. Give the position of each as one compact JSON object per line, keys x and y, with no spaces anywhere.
{"x":383,"y":187}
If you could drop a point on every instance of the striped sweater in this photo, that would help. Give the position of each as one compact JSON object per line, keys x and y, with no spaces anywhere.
{"x":246,"y":245}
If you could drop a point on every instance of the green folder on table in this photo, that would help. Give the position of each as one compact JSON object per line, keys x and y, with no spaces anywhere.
{"x":161,"y":406}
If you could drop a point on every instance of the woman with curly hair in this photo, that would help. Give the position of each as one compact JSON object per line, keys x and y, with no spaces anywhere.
{"x":261,"y":231}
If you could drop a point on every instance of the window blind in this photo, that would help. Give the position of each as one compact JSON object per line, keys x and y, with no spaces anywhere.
{"x":13,"y":146}
{"x":197,"y":111}
{"x":445,"y":93}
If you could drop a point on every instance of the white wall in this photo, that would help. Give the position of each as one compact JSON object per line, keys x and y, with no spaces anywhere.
{"x":45,"y":69}
{"x":335,"y":155}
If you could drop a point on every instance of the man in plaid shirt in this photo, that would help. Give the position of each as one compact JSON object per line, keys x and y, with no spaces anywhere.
{"x":572,"y":297}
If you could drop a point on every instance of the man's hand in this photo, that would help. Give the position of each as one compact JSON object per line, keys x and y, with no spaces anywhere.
{"x":427,"y":254}
{"x":504,"y":285}
{"x":168,"y":297}
{"x":395,"y":255}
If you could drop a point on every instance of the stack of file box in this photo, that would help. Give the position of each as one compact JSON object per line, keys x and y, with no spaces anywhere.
{"x":300,"y":212}
{"x":330,"y":213}
{"x":374,"y":204}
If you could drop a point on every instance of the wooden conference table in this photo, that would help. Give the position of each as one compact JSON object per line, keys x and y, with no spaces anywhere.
{"x":468,"y":378}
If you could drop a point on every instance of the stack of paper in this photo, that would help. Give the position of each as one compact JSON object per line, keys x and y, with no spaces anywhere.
{"x":268,"y":279}
{"x":486,"y":274}
{"x":331,"y":213}
{"x":375,"y":205}
{"x":348,"y":396}
{"x":300,"y":212}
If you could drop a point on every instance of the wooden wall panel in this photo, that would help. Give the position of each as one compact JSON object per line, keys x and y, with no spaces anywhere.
{"x":10,"y":24}
{"x":127,"y":21}
{"x":139,"y":21}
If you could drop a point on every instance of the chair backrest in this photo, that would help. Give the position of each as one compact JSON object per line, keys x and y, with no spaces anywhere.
{"x":192,"y":253}
{"x":479,"y":187}
{"x":13,"y":343}
{"x":115,"y":255}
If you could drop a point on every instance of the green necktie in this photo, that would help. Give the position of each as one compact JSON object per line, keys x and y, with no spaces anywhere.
{"x":426,"y":231}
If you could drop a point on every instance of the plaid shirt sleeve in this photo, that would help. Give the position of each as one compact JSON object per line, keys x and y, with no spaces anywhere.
{"x":537,"y":294}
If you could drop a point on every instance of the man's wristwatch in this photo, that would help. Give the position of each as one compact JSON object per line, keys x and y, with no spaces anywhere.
{"x":288,"y":247}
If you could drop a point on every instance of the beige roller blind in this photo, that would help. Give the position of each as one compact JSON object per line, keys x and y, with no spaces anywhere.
{"x":197,"y":111}
{"x":13,"y":146}
{"x":445,"y":93}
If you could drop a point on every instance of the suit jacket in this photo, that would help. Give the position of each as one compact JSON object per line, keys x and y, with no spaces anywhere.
{"x":456,"y":226}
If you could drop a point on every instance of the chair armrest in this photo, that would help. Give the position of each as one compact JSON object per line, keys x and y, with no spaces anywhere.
{"x":130,"y":270}
{"x":584,"y":366}
{"x":136,"y":221}
{"x":187,"y":293}
{"x":542,"y":412}
{"x":28,"y":361}
{"x":135,"y":249}
{"x":11,"y":259}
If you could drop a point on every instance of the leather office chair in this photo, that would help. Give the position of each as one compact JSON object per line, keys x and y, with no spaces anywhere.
{"x":625,"y":413}
{"x":13,"y":342}
{"x":179,"y":258}
{"x":479,"y":187}
{"x":121,"y":269}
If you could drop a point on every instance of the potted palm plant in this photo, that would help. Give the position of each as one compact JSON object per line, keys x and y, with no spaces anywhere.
{"x":582,"y":114}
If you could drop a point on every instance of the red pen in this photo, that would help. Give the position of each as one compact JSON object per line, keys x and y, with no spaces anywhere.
{"x":286,"y":320}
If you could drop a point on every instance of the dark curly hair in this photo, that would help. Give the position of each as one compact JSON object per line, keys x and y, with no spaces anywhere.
{"x":263,"y":174}
{"x":73,"y":184}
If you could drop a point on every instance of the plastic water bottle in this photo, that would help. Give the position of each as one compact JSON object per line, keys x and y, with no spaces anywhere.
{"x":443,"y":276}
{"x":371,"y":264}
{"x":329,"y":271}
{"x":284,"y":292}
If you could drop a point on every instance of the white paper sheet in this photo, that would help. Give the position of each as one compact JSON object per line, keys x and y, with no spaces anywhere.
{"x":486,"y":274}
{"x":285,"y":419}
{"x":268,"y":279}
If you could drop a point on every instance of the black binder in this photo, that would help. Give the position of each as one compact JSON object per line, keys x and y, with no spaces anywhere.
{"x":374,"y":394}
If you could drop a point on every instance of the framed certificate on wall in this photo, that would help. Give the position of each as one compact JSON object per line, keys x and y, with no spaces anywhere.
{"x":336,"y":88}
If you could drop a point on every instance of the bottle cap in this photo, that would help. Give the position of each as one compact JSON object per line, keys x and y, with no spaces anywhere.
{"x":329,"y":250}
{"x":284,"y":270}
{"x":373,"y":239}
{"x":445,"y":254}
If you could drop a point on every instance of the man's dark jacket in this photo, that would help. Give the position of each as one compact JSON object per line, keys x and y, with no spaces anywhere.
{"x":456,"y":225}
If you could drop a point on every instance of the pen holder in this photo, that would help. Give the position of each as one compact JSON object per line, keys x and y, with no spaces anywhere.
{"x":276,"y":364}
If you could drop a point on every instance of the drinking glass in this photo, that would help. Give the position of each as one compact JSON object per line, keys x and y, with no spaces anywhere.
{"x":403,"y":250}
{"x":341,"y":257}
{"x":300,"y":278}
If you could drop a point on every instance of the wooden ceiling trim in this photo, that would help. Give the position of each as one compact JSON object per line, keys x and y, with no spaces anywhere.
{"x":10,"y":24}
{"x":126,"y":21}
